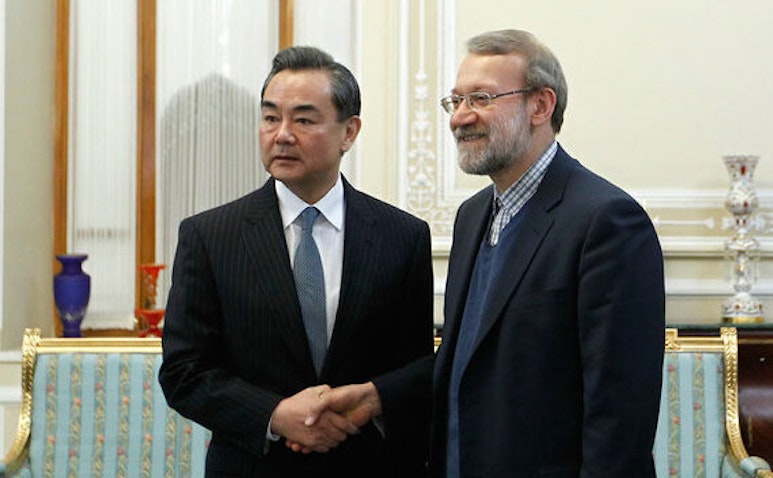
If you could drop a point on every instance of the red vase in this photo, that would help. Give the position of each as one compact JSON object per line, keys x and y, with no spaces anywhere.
{"x":153,"y":319}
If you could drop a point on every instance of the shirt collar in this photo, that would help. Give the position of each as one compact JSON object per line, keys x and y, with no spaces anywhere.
{"x":331,"y":205}
{"x":527,"y":184}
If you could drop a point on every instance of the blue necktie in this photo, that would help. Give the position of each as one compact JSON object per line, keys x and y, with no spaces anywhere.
{"x":310,"y":285}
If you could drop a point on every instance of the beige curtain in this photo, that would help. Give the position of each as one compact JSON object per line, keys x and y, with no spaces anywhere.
{"x":102,"y":143}
{"x":212,"y":58}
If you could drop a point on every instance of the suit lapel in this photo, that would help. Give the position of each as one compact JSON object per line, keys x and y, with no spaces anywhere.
{"x":532,"y":231}
{"x":536,"y":224}
{"x":267,"y":250}
{"x":469,"y":230}
{"x":359,"y":266}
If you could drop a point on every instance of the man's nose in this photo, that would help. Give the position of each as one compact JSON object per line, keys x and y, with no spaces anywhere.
{"x":284,"y":133}
{"x":462,"y":115}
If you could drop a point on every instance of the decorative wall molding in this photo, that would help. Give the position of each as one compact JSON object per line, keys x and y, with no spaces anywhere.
{"x":10,"y":397}
{"x":426,"y":188}
{"x":689,"y":223}
{"x":10,"y":357}
{"x":676,"y":288}
{"x":712,"y":287}
{"x":703,"y":198}
{"x":695,"y":223}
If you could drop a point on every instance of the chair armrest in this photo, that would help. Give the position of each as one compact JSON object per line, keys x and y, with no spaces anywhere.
{"x":756,"y":466}
{"x":15,"y":457}
{"x":19,"y":452}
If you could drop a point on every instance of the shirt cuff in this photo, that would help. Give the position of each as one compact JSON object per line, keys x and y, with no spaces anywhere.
{"x":270,"y":438}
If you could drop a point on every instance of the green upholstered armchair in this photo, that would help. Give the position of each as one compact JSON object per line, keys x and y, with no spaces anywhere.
{"x":93,"y":407}
{"x":698,"y":431}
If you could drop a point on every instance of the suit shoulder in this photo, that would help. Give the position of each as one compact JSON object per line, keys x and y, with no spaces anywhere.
{"x":479,"y":200}
{"x":388,"y":212}
{"x":589,"y":198}
{"x":597,"y":189}
{"x":580,"y":185}
{"x":222,"y":212}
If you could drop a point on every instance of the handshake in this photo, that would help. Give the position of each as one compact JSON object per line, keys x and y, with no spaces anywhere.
{"x":319,"y":418}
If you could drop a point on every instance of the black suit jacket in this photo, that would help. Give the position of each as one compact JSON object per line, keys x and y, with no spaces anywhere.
{"x":234,"y":343}
{"x":564,"y":379}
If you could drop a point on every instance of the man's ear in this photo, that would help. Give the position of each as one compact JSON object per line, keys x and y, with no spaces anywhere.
{"x":544,"y":102}
{"x":353,"y":126}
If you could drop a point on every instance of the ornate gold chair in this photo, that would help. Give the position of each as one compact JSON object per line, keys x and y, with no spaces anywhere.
{"x":698,"y":427}
{"x":93,"y":407}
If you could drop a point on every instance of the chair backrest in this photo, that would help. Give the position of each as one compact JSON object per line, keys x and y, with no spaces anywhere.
{"x":93,"y":407}
{"x":698,"y":428}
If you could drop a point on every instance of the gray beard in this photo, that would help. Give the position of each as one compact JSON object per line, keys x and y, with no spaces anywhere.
{"x":508,"y":142}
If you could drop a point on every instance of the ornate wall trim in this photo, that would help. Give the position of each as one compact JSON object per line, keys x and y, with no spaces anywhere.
{"x":695,"y":223}
{"x":426,"y":169}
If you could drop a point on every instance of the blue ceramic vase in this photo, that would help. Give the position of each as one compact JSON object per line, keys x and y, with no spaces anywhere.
{"x":72,"y":288}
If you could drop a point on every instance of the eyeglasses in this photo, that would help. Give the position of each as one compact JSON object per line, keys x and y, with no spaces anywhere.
{"x":476,"y":99}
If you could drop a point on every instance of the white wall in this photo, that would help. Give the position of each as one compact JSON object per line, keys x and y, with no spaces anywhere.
{"x":659,"y":90}
{"x":2,"y":151}
{"x":26,"y":191}
{"x":10,"y":395}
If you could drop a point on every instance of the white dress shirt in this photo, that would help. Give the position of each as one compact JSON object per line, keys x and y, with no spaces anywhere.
{"x":328,"y":233}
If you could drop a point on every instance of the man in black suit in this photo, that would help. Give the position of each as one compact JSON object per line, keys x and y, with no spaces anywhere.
{"x":237,"y":355}
{"x":553,"y":337}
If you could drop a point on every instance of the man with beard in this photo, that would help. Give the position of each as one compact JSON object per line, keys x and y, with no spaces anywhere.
{"x":553,"y":339}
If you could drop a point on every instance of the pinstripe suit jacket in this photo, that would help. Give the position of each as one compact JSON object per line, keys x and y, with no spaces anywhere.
{"x":234,"y":342}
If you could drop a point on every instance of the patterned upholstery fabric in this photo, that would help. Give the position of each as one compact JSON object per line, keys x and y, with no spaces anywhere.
{"x":692,"y":439}
{"x":103,"y":414}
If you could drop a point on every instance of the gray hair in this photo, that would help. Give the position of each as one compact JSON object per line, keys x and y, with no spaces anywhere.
{"x":346,"y":91}
{"x":543,"y":68}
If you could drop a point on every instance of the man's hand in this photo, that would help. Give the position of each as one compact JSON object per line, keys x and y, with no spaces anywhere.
{"x":355,"y":404}
{"x":358,"y":403}
{"x":305,"y":419}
